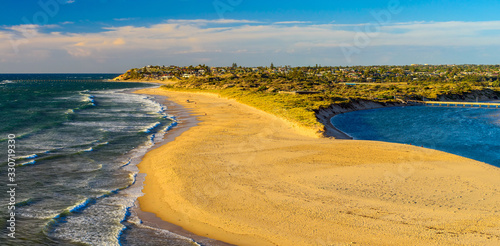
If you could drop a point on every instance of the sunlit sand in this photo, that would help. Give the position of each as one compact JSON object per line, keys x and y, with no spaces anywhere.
{"x":249,"y":178}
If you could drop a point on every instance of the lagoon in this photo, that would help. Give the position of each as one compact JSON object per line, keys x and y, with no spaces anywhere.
{"x":468,"y":132}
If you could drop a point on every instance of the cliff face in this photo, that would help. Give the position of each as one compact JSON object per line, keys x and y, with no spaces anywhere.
{"x":325,"y":114}
{"x":124,"y":76}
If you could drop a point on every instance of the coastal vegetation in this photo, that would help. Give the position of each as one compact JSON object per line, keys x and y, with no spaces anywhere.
{"x":295,"y":93}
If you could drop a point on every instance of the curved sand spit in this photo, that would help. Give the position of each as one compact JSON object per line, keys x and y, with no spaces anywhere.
{"x":248,"y":178}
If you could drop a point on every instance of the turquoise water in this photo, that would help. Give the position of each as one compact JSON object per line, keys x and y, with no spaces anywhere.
{"x":77,"y":144}
{"x":468,"y":132}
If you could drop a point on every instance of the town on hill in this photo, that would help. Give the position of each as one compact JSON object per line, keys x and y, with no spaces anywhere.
{"x":376,"y":74}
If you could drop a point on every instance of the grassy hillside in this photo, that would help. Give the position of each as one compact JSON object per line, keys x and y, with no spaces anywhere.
{"x":274,"y":95}
{"x":273,"y":89}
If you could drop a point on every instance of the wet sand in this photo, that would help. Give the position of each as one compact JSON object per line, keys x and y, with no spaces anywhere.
{"x":185,"y":121}
{"x":246,"y":177}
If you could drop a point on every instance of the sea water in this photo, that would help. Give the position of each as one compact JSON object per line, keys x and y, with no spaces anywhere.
{"x":468,"y":132}
{"x":77,"y":141}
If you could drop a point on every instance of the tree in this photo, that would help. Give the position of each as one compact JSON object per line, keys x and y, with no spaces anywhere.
{"x":134,"y":74}
{"x":272,"y":65}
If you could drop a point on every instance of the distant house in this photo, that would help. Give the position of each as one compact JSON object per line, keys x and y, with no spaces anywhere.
{"x":166,"y":77}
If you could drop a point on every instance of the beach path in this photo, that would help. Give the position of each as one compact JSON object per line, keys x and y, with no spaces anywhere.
{"x":246,"y":177}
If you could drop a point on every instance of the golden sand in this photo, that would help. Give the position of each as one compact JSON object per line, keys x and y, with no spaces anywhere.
{"x":245,"y":177}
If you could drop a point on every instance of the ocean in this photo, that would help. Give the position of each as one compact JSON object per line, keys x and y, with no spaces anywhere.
{"x":77,"y":142}
{"x":468,"y":132}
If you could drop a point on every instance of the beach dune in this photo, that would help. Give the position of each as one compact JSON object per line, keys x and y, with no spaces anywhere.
{"x":246,"y":177}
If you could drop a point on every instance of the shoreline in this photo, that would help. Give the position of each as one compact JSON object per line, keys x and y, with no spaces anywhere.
{"x":193,"y":213}
{"x":324,"y":115}
{"x":185,"y":120}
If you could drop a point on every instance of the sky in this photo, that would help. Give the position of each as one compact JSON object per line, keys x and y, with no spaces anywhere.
{"x":112,"y":36}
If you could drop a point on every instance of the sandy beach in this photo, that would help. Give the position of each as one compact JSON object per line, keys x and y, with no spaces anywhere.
{"x":246,"y":177}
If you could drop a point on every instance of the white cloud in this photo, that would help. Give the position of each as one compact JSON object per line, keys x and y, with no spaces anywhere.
{"x":195,"y":40}
{"x":292,"y":22}
{"x":216,"y":21}
{"x":79,"y":52}
{"x":124,"y":19}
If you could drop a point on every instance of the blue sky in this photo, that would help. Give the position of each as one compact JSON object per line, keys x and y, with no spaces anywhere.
{"x":114,"y":35}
